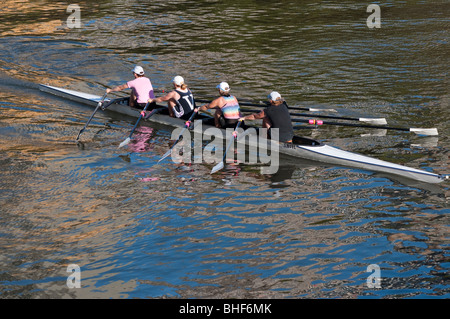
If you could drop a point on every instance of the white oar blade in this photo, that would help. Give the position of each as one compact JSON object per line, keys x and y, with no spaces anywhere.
{"x":165,"y":155}
{"x":379,"y":121}
{"x":321,"y":110}
{"x":216,"y":168}
{"x":126,"y":142}
{"x":425,"y":131}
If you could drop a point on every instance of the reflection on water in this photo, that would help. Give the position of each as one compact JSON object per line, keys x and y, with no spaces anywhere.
{"x":142,"y":229}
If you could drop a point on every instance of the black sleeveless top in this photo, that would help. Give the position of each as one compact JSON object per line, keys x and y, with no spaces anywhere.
{"x":185,"y":105}
{"x":280,"y":118}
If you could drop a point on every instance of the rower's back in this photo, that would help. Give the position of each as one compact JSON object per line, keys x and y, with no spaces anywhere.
{"x":279,"y":117}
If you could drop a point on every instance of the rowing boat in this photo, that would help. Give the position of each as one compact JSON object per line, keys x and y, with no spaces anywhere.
{"x":301,"y":147}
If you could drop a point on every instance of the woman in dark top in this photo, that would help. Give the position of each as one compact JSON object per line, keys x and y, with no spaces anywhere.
{"x":180,"y":100}
{"x":276,"y":115}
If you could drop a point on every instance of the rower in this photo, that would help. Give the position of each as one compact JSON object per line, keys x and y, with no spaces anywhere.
{"x":141,"y":88}
{"x":180,"y":100}
{"x":227,"y":107}
{"x":276,"y":115}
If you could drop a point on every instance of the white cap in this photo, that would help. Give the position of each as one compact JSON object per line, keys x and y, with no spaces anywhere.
{"x":274,"y":96}
{"x":223,"y":86}
{"x":178,"y":80}
{"x":138,"y":70}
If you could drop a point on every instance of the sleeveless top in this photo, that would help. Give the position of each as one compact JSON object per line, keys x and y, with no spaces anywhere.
{"x":184,"y":105}
{"x":280,"y":118}
{"x":231,"y":110}
{"x":142,"y":88}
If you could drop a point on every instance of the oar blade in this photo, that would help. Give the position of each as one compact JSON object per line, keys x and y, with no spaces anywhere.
{"x":125,"y":142}
{"x":425,"y":131}
{"x":165,"y":155}
{"x":217,"y":168}
{"x":311,"y":109}
{"x":79,"y":133}
{"x":375,"y":121}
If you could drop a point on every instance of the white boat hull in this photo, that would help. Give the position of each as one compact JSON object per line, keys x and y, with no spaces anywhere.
{"x":312,"y":150}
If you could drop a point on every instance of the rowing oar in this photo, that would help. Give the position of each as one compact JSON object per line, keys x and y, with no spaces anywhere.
{"x":219,"y":166}
{"x":186,"y":125}
{"x":95,"y":111}
{"x":263,"y":104}
{"x":378,"y":121}
{"x":128,"y":139}
{"x":419,"y":131}
{"x":104,"y":107}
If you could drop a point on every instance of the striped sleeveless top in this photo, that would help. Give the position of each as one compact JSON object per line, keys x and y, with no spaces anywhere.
{"x":231,"y":110}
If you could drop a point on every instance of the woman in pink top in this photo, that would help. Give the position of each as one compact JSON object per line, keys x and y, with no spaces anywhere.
{"x":141,"y":88}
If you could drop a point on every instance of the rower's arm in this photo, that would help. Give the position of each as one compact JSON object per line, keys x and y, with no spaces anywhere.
{"x":212,"y":105}
{"x":254,"y":116}
{"x":168,"y":97}
{"x":118,"y":88}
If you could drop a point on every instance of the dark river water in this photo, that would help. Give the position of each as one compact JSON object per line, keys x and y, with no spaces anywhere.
{"x":140,"y":230}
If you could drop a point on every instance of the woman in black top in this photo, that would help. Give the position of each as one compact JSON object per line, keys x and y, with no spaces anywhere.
{"x":180,"y":101}
{"x":276,"y":115}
